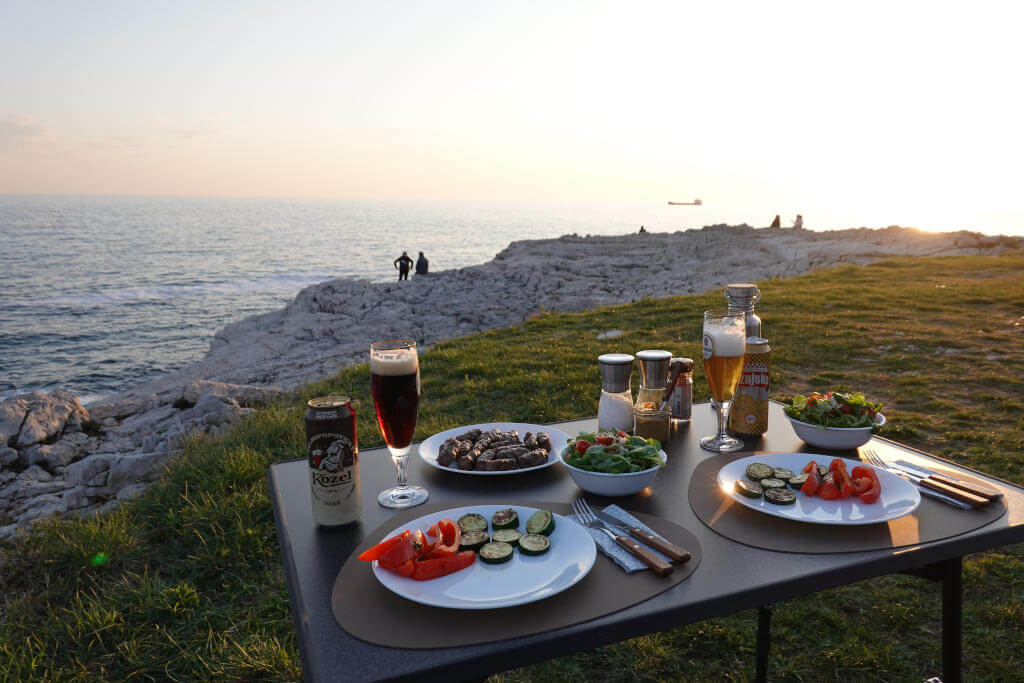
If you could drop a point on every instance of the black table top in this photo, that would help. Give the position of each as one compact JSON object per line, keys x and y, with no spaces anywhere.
{"x":731,"y":577}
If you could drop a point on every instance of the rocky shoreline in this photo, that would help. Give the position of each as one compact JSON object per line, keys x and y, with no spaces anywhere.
{"x":59,"y":457}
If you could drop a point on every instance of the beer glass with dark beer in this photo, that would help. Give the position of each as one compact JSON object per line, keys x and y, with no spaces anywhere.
{"x":395,"y":381}
{"x":724,"y":344}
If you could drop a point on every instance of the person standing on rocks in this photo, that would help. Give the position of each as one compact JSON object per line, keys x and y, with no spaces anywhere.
{"x":798,"y":223}
{"x":403,"y":263}
{"x":422,"y":264}
{"x":777,"y":222}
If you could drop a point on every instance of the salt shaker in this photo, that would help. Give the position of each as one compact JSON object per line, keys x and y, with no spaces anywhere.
{"x":615,"y":409}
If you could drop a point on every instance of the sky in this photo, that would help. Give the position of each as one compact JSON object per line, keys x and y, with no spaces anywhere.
{"x":895,"y":112}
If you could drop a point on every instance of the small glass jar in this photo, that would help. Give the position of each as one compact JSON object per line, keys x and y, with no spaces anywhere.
{"x":651,"y":423}
{"x":681,"y":400}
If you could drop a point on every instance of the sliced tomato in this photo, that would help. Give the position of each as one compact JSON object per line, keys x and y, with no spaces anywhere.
{"x":405,"y":569}
{"x":863,"y":471}
{"x":872,"y":494}
{"x":828,"y":491}
{"x":582,"y":446}
{"x":426,"y":570}
{"x":400,"y":553}
{"x":812,"y":466}
{"x":862,"y":484}
{"x":813,"y":482}
{"x":605,"y":440}
{"x":448,"y":542}
{"x":376,"y":551}
{"x":621,"y":434}
{"x":842,"y":480}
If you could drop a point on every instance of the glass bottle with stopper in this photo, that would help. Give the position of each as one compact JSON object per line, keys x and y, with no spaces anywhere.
{"x":743,"y":296}
{"x":615,"y":409}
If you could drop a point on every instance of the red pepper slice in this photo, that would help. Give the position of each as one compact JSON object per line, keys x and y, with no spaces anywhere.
{"x":378,"y":550}
{"x":421,"y":545}
{"x":426,"y":570}
{"x":448,"y":542}
{"x":872,"y":494}
{"x":405,"y":569}
{"x":812,"y":466}
{"x":400,"y":553}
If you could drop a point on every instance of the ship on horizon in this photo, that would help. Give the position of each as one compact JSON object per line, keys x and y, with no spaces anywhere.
{"x":695,"y":202}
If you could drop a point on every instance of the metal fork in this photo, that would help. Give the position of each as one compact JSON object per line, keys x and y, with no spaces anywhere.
{"x":587,"y":518}
{"x":872,"y":459}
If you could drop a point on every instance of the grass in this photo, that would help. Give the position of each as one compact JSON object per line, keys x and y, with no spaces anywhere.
{"x":185,"y":582}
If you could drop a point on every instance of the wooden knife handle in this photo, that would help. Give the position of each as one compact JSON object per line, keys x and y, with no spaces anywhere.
{"x":981,"y":491}
{"x":673,"y":551}
{"x":660,"y":566}
{"x":953,"y":492}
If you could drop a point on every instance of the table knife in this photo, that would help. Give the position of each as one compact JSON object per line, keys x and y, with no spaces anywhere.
{"x":975,"y":489}
{"x":656,"y":542}
{"x":947,"y":490}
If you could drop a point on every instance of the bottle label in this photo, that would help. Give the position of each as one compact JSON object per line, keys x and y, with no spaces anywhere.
{"x":334,"y":478}
{"x":708,"y":345}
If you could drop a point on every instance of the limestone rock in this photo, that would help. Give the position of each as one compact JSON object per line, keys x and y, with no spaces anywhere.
{"x":12,"y":414}
{"x":246,"y":395}
{"x":134,"y":468}
{"x":7,"y":456}
{"x":90,"y":471}
{"x":48,"y":416}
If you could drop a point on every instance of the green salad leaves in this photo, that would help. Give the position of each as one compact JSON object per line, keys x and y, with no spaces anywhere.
{"x":834,"y":410}
{"x":613,"y":453}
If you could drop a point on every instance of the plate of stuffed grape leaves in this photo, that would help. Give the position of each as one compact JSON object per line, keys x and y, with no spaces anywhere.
{"x":494,"y":448}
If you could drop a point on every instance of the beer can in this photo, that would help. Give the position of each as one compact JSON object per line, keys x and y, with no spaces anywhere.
{"x":748,"y":414}
{"x":333,"y":451}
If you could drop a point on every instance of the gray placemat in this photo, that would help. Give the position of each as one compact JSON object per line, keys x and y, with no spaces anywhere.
{"x":372,"y":613}
{"x":930,"y":522}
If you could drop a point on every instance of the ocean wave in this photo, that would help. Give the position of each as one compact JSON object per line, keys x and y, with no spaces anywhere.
{"x":278,"y":282}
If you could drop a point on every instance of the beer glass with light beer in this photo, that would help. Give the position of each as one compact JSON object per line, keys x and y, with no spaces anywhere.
{"x":724,"y":344}
{"x":395,"y":382}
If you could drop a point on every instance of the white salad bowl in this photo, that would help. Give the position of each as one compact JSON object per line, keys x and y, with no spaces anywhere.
{"x":835,"y":438}
{"x":606,"y":484}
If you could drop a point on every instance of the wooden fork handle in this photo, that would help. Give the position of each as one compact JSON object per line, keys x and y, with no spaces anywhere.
{"x":953,"y":492}
{"x":658,"y":565}
{"x":659,"y":543}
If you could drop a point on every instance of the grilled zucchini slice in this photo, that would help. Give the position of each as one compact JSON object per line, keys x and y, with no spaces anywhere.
{"x":472,"y":522}
{"x":505,"y":519}
{"x":798,"y":480}
{"x":780,"y":496}
{"x":496,"y":552}
{"x":474,"y":540}
{"x":748,"y":488}
{"x":772,"y":483}
{"x":510,"y":536}
{"x":756,"y":471}
{"x":534,"y":544}
{"x":541,"y":522}
{"x":783,"y":474}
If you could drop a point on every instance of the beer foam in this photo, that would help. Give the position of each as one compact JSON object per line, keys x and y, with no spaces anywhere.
{"x":727,"y":345}
{"x":398,"y":362}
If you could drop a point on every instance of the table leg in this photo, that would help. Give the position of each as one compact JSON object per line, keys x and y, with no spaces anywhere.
{"x":952,"y":618}
{"x":764,"y":641}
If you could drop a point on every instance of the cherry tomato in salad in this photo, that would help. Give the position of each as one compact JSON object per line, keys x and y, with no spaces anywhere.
{"x":846,"y":409}
{"x":582,"y":446}
{"x":605,"y":440}
{"x":426,"y":570}
{"x":621,"y":435}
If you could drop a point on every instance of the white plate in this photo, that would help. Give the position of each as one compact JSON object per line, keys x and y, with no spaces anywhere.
{"x":899,"y":497}
{"x":430,"y":447}
{"x":522,"y":579}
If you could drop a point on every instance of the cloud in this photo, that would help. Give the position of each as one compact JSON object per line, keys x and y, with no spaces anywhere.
{"x":118,"y":142}
{"x":19,"y":133}
{"x":189,"y":133}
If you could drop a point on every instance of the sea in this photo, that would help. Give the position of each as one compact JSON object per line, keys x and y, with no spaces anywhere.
{"x":100,"y":293}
